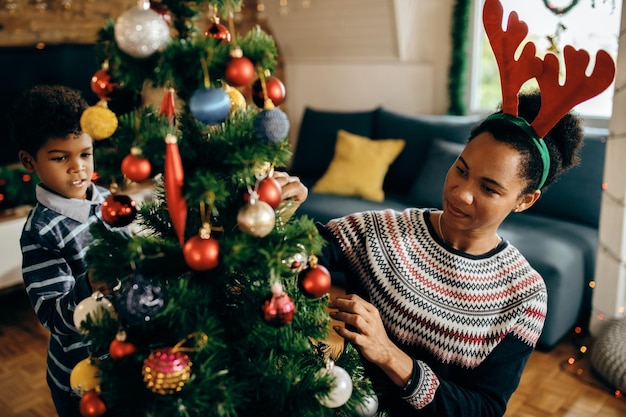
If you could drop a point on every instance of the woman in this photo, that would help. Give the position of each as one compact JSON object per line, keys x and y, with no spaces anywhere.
{"x":444,"y":312}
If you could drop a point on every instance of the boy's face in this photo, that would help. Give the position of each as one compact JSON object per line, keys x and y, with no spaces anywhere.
{"x":64,"y":165}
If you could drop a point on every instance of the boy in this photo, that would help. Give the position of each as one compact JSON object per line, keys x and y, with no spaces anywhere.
{"x":45,"y":126}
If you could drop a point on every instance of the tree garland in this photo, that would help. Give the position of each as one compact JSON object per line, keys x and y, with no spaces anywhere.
{"x":560,"y":10}
{"x":458,"y":61}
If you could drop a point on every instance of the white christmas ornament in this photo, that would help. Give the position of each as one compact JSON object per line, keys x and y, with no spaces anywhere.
{"x":91,"y":305}
{"x":368,"y":408}
{"x":141,"y":31}
{"x":341,"y":388}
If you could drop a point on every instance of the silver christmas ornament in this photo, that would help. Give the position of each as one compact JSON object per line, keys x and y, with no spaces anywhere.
{"x":256,"y":218}
{"x":141,"y":31}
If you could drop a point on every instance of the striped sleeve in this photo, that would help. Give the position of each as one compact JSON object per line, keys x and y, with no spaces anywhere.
{"x":53,"y":269}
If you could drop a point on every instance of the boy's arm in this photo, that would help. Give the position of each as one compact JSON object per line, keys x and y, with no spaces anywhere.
{"x":51,"y":287}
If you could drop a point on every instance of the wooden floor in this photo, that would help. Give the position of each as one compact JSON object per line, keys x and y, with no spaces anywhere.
{"x":548,"y":388}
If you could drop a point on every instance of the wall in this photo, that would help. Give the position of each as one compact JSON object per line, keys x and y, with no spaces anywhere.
{"x":360,"y":54}
{"x":609,"y":298}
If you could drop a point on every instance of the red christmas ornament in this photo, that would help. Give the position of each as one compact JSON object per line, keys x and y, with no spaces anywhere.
{"x":218,"y":31}
{"x":174,"y":179}
{"x":239,"y":71}
{"x":119,"y":210}
{"x":201,"y":253}
{"x":278,"y":308}
{"x":270,"y":191}
{"x":120,"y":348}
{"x":102,"y":85}
{"x":91,"y":405}
{"x":275,"y":91}
{"x":314,"y":281}
{"x":136,"y":168}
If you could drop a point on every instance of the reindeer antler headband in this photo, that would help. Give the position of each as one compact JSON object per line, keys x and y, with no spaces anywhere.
{"x":556,"y":99}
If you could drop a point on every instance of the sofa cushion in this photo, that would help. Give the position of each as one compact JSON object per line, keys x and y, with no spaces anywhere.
{"x":359,"y":166}
{"x":318,"y":134}
{"x":418,"y":131}
{"x":577,"y":194}
{"x":428,"y":188}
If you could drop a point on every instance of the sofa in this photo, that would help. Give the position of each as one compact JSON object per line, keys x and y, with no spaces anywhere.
{"x":558,"y":235}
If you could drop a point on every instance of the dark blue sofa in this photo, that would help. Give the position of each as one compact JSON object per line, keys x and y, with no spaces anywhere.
{"x":558,"y":235}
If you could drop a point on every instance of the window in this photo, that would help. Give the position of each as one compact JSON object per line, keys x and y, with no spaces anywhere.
{"x":585,"y":24}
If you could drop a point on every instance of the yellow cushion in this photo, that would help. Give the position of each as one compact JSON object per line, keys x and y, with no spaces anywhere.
{"x":359,"y":166}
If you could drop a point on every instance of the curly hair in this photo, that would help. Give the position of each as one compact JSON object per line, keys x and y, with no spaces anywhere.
{"x":45,"y":112}
{"x":564,"y":141}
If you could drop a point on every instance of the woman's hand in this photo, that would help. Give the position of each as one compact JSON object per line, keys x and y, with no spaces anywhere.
{"x":367,"y":332}
{"x":292,"y":190}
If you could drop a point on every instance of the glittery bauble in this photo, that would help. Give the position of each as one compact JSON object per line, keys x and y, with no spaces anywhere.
{"x":136,"y":168}
{"x":101,"y":84}
{"x":98,"y":121}
{"x":315,"y":281}
{"x":340,"y":389}
{"x":218,"y":31}
{"x":210,"y":105}
{"x":201,"y":254}
{"x":271,"y":125}
{"x":139,"y":300}
{"x":237,"y":100}
{"x":278,"y":309}
{"x":93,"y":306}
{"x":166,"y":371}
{"x":140,"y":33}
{"x":85,"y":376}
{"x":239,"y":71}
{"x":119,"y":210}
{"x":256,"y":218}
{"x":275,"y":91}
{"x":91,"y":405}
{"x":368,"y":408}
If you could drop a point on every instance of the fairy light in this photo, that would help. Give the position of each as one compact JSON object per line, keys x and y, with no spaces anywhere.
{"x":592,"y":284}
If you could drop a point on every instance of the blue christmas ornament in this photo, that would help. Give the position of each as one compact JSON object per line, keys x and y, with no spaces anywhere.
{"x":210,"y":105}
{"x":271,"y":125}
{"x":139,"y":300}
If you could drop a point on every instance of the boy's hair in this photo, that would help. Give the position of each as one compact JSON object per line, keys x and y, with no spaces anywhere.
{"x":45,"y":112}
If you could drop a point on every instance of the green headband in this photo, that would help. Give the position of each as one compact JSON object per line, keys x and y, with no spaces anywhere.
{"x":539,"y":142}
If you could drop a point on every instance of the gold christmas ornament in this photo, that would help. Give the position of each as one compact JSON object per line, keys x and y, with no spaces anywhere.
{"x":85,"y":376}
{"x":98,"y":121}
{"x":237,"y":100}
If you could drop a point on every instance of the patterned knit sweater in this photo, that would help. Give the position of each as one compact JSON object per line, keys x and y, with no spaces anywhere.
{"x":469,"y":322}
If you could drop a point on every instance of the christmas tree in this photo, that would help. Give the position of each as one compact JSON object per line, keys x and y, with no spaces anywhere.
{"x":219,"y":306}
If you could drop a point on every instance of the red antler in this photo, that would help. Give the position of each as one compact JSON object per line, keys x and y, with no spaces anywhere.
{"x":513,"y":73}
{"x":557,"y":99}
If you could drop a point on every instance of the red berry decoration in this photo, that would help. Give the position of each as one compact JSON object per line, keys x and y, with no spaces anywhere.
{"x":275,"y":91}
{"x":278,"y":308}
{"x":119,"y":210}
{"x":102,"y":85}
{"x":91,"y":405}
{"x":120,"y":348}
{"x":315,"y":280}
{"x":202,"y":252}
{"x":136,"y":168}
{"x":239,"y":71}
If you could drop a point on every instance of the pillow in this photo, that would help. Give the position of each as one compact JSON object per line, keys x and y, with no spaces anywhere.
{"x":428,"y":187}
{"x":359,"y":166}
{"x":318,"y":135}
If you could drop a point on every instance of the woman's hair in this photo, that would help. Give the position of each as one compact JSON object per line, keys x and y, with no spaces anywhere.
{"x":563,"y":141}
{"x":45,"y":112}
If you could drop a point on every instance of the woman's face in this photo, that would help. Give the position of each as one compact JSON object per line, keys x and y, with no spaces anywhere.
{"x":484,"y":185}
